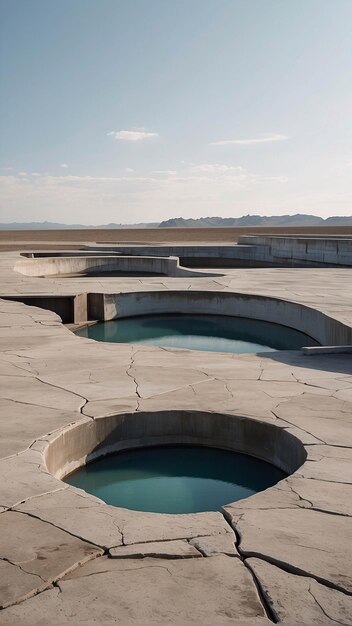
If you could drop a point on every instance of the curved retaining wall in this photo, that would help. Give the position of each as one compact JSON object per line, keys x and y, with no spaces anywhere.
{"x":56,"y":266}
{"x":297,"y":249}
{"x":89,"y":440}
{"x":324,"y":329}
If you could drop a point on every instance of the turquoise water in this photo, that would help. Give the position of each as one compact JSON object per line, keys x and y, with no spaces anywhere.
{"x":215,"y":333}
{"x":175,"y":479}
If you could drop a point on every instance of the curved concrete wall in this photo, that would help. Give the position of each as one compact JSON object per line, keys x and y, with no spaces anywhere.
{"x":254,"y":251}
{"x":326,"y":330}
{"x":89,"y":440}
{"x":300,"y":249}
{"x":56,"y":266}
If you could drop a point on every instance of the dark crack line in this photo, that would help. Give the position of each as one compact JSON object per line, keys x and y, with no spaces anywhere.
{"x":332,"y":445}
{"x":300,"y":499}
{"x":37,"y":495}
{"x":22,"y":568}
{"x":182,"y":388}
{"x":43,"y":406}
{"x":314,"y":508}
{"x":295,"y":426}
{"x":56,"y":584}
{"x":78,"y":395}
{"x":41,"y":437}
{"x":181,"y":538}
{"x":103,"y":415}
{"x":286,"y":567}
{"x":322,"y":609}
{"x":131,"y":569}
{"x":28,"y":596}
{"x":292,"y":569}
{"x":196,"y":547}
{"x":269,"y":609}
{"x":50,"y":584}
{"x":44,"y":521}
{"x":269,"y":612}
{"x":325,"y":480}
{"x":129,"y":373}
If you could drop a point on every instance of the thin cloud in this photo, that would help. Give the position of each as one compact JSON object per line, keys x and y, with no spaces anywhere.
{"x":216,"y":168}
{"x":132,"y":135}
{"x":165,"y":172}
{"x":64,"y":165}
{"x":249,"y":142}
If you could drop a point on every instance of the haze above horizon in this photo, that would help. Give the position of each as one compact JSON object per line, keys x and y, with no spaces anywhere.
{"x":131,"y":111}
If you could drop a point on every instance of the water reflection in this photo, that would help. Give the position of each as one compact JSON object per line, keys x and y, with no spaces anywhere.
{"x":175,"y":479}
{"x":214,"y":333}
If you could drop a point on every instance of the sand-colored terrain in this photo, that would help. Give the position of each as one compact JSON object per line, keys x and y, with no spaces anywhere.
{"x":44,"y":239}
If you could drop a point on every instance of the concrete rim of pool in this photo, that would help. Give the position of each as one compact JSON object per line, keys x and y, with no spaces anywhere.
{"x":87,"y":441}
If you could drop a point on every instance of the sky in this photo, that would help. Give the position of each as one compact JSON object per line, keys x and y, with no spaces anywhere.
{"x":132,"y":111}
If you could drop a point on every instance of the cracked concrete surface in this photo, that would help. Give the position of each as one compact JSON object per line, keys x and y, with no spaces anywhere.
{"x":283,"y":555}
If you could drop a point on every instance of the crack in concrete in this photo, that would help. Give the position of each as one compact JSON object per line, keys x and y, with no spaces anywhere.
{"x":262,"y":369}
{"x":199,"y":549}
{"x":37,"y":495}
{"x":295,"y":425}
{"x":50,"y":584}
{"x":78,"y":395}
{"x":44,"y":406}
{"x":42,"y":437}
{"x":287,"y":567}
{"x":183,"y":387}
{"x":324,"y":480}
{"x":193,"y":389}
{"x":115,"y":412}
{"x":268,"y":608}
{"x":129,"y":373}
{"x":44,"y":521}
{"x":180,"y":538}
{"x":30,"y":371}
{"x":229,"y":391}
{"x":22,"y":568}
{"x":132,"y":569}
{"x":322,"y":609}
{"x":262,"y":598}
{"x":314,"y":508}
{"x":56,"y":584}
{"x":298,"y":495}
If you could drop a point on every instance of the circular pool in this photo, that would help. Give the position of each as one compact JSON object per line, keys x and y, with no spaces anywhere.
{"x":214,"y":333}
{"x":175,"y":479}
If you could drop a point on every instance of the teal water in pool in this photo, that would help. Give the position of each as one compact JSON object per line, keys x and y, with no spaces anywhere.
{"x":175,"y":479}
{"x":214,"y":333}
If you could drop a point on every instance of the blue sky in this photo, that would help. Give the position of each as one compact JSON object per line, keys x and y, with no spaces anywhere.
{"x":140,"y":110}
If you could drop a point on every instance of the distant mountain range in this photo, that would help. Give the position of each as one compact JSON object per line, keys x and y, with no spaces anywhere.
{"x":257,"y":220}
{"x":201,"y":222}
{"x":58,"y":226}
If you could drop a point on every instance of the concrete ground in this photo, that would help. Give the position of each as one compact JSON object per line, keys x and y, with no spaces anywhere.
{"x":283,"y":555}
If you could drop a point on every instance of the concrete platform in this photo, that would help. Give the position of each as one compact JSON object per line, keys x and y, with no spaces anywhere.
{"x":283,"y":555}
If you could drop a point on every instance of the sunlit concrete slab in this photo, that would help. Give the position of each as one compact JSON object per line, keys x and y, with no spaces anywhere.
{"x":283,"y":554}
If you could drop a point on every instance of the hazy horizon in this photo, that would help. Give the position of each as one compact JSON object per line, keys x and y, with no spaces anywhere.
{"x":42,"y":225}
{"x":127,"y":111}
